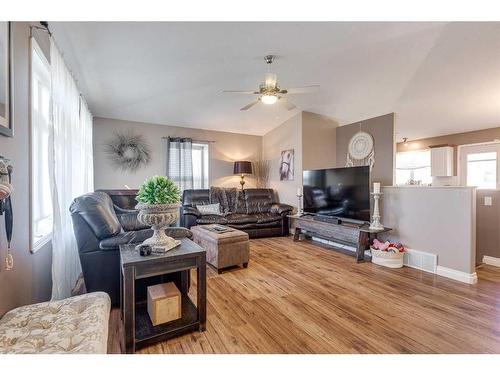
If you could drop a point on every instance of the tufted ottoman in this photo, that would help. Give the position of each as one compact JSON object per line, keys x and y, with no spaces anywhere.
{"x":73,"y":325}
{"x":225,"y":249}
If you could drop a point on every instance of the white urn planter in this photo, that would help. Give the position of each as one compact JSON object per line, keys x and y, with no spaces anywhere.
{"x":159,"y":217}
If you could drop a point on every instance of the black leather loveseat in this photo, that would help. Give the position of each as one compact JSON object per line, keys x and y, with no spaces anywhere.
{"x":100,"y":227}
{"x":255,"y":211}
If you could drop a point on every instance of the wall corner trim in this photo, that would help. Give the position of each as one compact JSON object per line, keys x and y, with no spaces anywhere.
{"x":492,"y":261}
{"x":468,"y":278}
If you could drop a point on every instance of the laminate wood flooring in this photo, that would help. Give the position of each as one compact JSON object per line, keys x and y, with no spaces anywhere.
{"x":300,"y":297}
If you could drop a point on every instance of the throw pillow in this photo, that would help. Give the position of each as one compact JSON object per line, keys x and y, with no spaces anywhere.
{"x":209,"y":209}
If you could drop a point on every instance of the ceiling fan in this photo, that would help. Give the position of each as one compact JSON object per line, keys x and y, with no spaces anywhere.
{"x":270,"y":92}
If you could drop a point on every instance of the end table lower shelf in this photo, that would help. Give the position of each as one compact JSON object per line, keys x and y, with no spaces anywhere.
{"x":146,"y":333}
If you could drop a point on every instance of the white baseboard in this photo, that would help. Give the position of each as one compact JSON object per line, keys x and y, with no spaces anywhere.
{"x":492,"y":261}
{"x":469,"y":278}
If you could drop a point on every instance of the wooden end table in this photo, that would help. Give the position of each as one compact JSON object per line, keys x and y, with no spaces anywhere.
{"x":138,"y":329}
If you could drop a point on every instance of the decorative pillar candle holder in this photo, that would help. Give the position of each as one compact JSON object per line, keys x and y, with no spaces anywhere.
{"x":375,"y":224}
{"x":300,"y":210}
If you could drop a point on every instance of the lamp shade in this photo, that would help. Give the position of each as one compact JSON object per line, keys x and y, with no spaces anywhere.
{"x":242,"y":167}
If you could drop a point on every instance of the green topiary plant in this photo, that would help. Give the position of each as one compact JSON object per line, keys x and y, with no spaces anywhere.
{"x":158,"y":190}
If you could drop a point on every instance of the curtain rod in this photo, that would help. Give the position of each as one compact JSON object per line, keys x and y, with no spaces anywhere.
{"x":44,"y":26}
{"x":194,"y":140}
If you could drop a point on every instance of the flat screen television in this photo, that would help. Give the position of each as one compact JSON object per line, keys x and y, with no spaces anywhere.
{"x":338,"y":192}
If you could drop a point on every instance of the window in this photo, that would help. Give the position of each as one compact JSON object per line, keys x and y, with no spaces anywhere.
{"x":479,"y":165}
{"x":41,"y":198}
{"x":413,"y":167}
{"x":200,"y":165}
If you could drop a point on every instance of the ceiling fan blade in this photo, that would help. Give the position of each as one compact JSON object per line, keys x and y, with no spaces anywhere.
{"x":250,"y":105}
{"x":303,"y":90}
{"x":240,"y":92}
{"x":285,"y":103}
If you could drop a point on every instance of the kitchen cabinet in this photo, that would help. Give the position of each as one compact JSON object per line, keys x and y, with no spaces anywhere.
{"x":442,"y":161}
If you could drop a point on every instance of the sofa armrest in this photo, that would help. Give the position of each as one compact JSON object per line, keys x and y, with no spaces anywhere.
{"x":191,"y":211}
{"x":281,"y":209}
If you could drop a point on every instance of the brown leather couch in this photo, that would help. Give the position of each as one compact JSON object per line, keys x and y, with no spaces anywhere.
{"x":254,"y":211}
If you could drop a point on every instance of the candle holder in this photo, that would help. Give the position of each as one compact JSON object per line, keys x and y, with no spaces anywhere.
{"x":375,"y":224}
{"x":300,"y":210}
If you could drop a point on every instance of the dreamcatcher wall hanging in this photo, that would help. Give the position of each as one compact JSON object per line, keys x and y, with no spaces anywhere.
{"x":360,"y":151}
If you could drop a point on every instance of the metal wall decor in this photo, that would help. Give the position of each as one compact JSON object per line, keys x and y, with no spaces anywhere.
{"x":128,"y":151}
{"x":360,"y":151}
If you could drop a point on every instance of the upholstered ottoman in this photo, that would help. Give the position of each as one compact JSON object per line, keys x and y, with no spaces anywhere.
{"x":72,"y":325}
{"x":226,"y":249}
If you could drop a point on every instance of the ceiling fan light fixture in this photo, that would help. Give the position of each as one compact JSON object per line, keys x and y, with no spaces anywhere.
{"x":269,"y":99}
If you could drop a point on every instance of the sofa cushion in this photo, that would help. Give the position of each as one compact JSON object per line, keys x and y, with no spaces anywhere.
{"x":72,"y":325}
{"x":267,"y":217}
{"x":259,"y":200}
{"x":232,"y":199}
{"x":240,"y":205}
{"x":211,"y":219}
{"x":218,"y":195}
{"x":192,"y":197}
{"x":241,"y":219}
{"x":98,"y":212}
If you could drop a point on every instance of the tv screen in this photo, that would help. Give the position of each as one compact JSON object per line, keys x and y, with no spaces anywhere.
{"x":338,"y":192}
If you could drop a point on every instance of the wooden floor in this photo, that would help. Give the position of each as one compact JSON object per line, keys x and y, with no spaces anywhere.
{"x":303,"y":298}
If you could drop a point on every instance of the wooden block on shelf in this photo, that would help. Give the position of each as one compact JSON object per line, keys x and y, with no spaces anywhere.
{"x":164,"y":303}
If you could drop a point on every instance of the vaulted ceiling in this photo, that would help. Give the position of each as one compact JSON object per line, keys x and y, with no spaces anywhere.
{"x":438,"y":78}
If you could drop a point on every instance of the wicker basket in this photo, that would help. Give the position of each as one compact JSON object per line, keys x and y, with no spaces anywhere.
{"x":387,"y":259}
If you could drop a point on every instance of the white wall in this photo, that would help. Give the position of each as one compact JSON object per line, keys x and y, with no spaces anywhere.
{"x":286,"y":136}
{"x":226,"y":148}
{"x":437,"y":220}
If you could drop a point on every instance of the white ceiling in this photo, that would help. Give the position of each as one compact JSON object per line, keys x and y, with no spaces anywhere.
{"x":438,"y":78}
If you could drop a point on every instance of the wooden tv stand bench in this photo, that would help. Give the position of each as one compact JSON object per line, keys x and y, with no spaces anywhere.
{"x":358,"y":236}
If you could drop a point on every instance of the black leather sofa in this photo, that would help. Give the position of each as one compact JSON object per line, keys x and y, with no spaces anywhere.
{"x":100,"y":227}
{"x":255,"y":211}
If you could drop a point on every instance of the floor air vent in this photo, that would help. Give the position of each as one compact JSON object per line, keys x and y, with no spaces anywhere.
{"x":420,"y":260}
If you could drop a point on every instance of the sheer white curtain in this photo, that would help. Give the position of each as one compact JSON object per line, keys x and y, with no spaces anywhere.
{"x":71,"y":169}
{"x":180,"y":162}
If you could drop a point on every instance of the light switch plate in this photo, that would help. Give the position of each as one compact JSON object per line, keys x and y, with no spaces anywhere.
{"x":488,"y":201}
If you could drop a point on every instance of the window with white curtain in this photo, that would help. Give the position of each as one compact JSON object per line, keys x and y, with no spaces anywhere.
{"x":479,"y":166}
{"x":200,"y":165}
{"x":41,"y":205}
{"x":482,"y":170}
{"x":413,"y":167}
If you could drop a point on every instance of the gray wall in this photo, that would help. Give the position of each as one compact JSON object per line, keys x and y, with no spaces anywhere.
{"x":286,"y":136}
{"x":437,"y":220}
{"x":226,"y":148}
{"x":30,"y":281}
{"x":319,"y":134}
{"x":488,"y":217}
{"x":382,"y":130}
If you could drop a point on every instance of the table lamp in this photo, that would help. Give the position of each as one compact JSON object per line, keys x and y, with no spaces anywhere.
{"x":242,"y":168}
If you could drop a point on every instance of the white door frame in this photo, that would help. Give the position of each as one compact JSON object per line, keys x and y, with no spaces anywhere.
{"x":459,"y":159}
